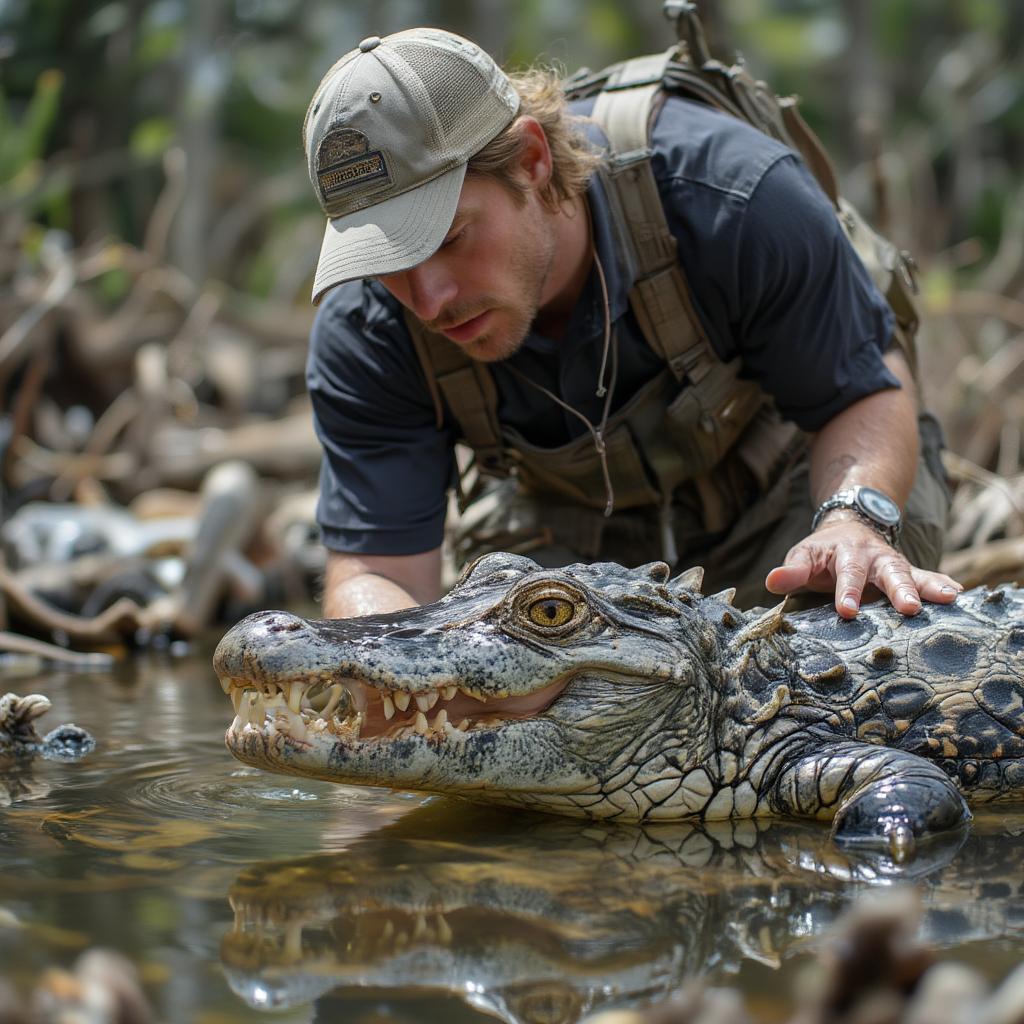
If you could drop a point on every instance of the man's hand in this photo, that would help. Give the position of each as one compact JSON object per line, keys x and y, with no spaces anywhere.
{"x":847,"y":556}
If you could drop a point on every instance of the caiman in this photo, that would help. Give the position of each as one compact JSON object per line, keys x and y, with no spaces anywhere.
{"x":606,"y":692}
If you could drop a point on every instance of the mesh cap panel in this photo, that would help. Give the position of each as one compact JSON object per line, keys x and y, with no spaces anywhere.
{"x":444,"y":76}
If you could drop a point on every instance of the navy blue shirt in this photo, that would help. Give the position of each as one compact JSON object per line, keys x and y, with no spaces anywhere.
{"x":773,"y":278}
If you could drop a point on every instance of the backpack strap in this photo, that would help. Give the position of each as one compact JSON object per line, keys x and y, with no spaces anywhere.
{"x":636,"y":86}
{"x":660,"y":297}
{"x":468,"y":389}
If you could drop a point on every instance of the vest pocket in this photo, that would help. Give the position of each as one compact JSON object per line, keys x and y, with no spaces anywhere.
{"x":573,"y":470}
{"x":704,"y":420}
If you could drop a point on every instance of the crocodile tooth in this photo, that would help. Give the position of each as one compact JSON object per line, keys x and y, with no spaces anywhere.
{"x":420,"y":931}
{"x":292,"y":947}
{"x":425,"y":701}
{"x":420,"y":723}
{"x":295,"y":692}
{"x":389,"y":706}
{"x":444,"y":932}
{"x":388,"y":930}
{"x":475,"y":696}
{"x":440,"y":720}
{"x":463,"y":725}
{"x":225,"y":683}
{"x":401,"y":701}
{"x":332,"y":703}
{"x":237,"y":723}
{"x":448,"y":692}
{"x":236,"y":698}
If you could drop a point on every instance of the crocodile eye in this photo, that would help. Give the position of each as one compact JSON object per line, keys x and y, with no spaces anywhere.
{"x":551,"y":611}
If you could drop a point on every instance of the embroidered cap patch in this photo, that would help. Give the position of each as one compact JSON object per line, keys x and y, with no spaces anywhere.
{"x":344,"y":160}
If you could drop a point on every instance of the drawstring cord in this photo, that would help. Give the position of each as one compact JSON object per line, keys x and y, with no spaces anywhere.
{"x":610,"y":342}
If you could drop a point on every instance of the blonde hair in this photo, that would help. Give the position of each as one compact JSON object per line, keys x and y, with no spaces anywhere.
{"x":573,"y":161}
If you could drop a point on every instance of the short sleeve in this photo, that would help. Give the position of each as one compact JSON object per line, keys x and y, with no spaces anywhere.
{"x":386,"y":467}
{"x":811,"y":325}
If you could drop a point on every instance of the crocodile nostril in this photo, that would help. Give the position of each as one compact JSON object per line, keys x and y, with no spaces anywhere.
{"x":282,"y":622}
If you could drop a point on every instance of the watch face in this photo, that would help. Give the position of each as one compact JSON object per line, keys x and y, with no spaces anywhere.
{"x":878,"y":506}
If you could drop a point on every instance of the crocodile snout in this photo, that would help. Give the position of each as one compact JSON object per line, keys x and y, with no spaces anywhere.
{"x":269,"y":641}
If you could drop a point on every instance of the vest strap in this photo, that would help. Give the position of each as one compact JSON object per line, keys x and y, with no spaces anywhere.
{"x":468,"y":388}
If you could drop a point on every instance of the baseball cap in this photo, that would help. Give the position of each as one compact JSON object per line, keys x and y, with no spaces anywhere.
{"x":388,"y":135}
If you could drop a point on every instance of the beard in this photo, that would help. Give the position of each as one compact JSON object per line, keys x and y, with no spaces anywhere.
{"x":529,"y":263}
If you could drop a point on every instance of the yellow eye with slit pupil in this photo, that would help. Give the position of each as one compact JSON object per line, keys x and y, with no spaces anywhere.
{"x":551,"y":611}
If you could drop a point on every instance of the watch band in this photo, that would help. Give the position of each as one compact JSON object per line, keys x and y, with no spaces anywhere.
{"x":870,"y":511}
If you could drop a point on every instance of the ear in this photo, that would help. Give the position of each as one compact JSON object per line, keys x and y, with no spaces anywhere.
{"x":535,"y":155}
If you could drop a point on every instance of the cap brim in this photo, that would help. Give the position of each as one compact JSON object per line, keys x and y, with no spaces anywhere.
{"x":390,"y":236}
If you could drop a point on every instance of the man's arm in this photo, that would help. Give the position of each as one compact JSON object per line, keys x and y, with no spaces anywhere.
{"x":872,"y":442}
{"x":369,"y":584}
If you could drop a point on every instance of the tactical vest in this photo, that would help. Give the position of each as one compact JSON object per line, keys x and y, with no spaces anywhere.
{"x":697,"y":424}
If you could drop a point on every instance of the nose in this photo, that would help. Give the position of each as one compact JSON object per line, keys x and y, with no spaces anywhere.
{"x":431,"y":288}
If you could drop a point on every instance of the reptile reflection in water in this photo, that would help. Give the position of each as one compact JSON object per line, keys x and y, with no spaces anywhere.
{"x":542,"y":921}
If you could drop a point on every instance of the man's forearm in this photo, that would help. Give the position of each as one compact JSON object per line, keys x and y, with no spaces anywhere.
{"x":873,"y":442}
{"x":365,"y":594}
{"x":374,"y":584}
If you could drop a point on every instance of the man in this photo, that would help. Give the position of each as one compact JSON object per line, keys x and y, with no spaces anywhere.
{"x":464,"y":206}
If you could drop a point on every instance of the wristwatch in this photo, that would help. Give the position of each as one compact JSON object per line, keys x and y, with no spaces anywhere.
{"x":877,"y":509}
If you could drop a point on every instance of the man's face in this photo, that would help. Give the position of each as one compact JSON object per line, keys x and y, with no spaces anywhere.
{"x":484,"y":286}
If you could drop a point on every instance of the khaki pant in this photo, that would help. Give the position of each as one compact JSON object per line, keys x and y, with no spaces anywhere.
{"x":554,"y":533}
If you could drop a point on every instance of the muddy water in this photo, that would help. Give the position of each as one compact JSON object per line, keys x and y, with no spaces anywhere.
{"x":242,"y":895}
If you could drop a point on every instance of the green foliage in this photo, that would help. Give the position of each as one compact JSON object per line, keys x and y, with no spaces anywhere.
{"x":112,"y":285}
{"x":23,"y":141}
{"x":990,"y":214}
{"x":114,"y":83}
{"x":151,"y":137}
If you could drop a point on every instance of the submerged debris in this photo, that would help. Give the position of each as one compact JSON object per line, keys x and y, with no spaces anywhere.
{"x":18,"y":736}
{"x":102,"y":988}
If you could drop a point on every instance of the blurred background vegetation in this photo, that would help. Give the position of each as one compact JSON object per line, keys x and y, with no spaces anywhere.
{"x":98,"y":101}
{"x":153,"y":186}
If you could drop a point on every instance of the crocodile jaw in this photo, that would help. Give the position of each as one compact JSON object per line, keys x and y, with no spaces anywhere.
{"x":442,"y":760}
{"x":480,"y":756}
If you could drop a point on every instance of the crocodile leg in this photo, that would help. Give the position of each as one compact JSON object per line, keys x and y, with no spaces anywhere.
{"x":873,"y":795}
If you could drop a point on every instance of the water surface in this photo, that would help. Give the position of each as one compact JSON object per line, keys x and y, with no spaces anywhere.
{"x":242,"y":895}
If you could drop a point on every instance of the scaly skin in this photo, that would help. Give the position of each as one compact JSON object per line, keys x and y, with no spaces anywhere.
{"x":607,"y":692}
